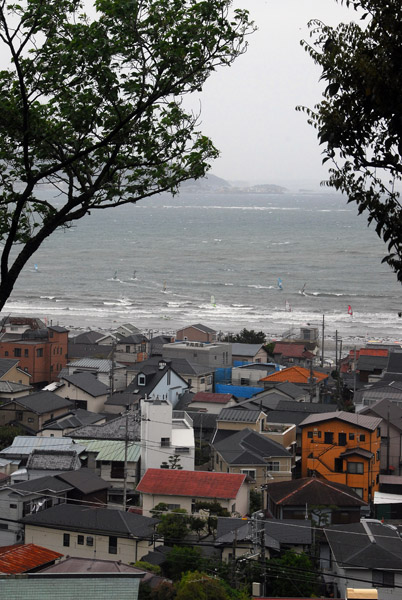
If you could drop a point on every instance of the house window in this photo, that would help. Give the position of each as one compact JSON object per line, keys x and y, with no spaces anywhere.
{"x":244,"y":381}
{"x":378,"y":432}
{"x":26,"y":352}
{"x":80,"y":540}
{"x":383,"y":579}
{"x":273,"y":465}
{"x":193,"y":505}
{"x":165,"y":442}
{"x":6,"y":353}
{"x":362,"y":437}
{"x":378,"y":455}
{"x":249,"y":472}
{"x":351,"y":436}
{"x":117,"y":469}
{"x":202,"y":380}
{"x":13,"y":506}
{"x":176,"y":506}
{"x":355,"y":467}
{"x":20,"y":415}
{"x":90,"y":540}
{"x":328,"y":437}
{"x":358,"y":491}
{"x":309,"y":434}
{"x":30,"y":420}
{"x":112,"y":544}
{"x":342,"y":439}
{"x":39,"y":352}
{"x":169,"y":377}
{"x":209,"y":379}
{"x":17,"y":352}
{"x":141,"y":379}
{"x":66,"y":539}
{"x":182,"y":450}
{"x":127,"y":349}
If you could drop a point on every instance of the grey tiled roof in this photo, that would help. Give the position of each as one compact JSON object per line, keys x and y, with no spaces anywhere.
{"x":57,"y":328}
{"x":386,"y":410}
{"x":112,"y":430}
{"x":245,"y":349}
{"x":23,"y":445}
{"x":77,"y":418}
{"x":134,"y":338}
{"x":87,"y":383}
{"x":87,"y":337}
{"x":106,"y":521}
{"x":199,"y":326}
{"x":239,"y":415}
{"x":53,"y":460}
{"x":9,"y":387}
{"x":77,"y":351}
{"x":312,"y":491}
{"x":6,"y":364}
{"x":285,"y":531}
{"x":247,"y":447}
{"x":100,"y":365}
{"x":351,"y":545}
{"x":84,"y":480}
{"x":48,"y":483}
{"x":43,"y":402}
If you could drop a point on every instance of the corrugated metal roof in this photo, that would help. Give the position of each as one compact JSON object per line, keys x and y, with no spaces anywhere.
{"x":99,"y":364}
{"x":112,"y":450}
{"x":22,"y":558}
{"x":238,"y":415}
{"x":25,"y":444}
{"x":355,"y":418}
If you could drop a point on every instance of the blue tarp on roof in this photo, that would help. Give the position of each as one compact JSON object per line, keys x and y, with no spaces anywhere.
{"x":240,"y":391}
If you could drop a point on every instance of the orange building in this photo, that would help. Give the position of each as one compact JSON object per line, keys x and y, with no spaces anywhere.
{"x":42,"y":353}
{"x":344,"y":448}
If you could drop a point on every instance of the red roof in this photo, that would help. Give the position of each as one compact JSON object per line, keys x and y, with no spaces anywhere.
{"x":200,"y":484}
{"x":292,"y":350}
{"x":210,"y":397}
{"x":22,"y":558}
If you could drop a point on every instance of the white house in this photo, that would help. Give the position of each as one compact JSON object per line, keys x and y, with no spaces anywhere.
{"x":165,"y":433}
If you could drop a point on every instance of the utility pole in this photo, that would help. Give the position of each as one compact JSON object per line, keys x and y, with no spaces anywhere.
{"x":125,"y":460}
{"x":322,"y":341}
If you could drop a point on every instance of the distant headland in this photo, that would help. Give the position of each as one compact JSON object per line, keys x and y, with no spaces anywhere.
{"x":217,"y":185}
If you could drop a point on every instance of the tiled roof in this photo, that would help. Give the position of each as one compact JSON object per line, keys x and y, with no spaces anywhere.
{"x":22,"y":558}
{"x":107,"y":521}
{"x":85,"y":565}
{"x":23,"y":445}
{"x":292,"y":350}
{"x":53,"y":460}
{"x":239,"y":415}
{"x":200,"y":484}
{"x":112,"y":430}
{"x":295,"y":375}
{"x":87,"y":337}
{"x":37,"y":485}
{"x":212,"y":398}
{"x":199,"y":326}
{"x":87,"y":383}
{"x":357,"y":419}
{"x":43,"y":402}
{"x":245,"y":349}
{"x":6,"y":364}
{"x":100,"y":365}
{"x":247,"y":447}
{"x":84,"y":480}
{"x":312,"y":490}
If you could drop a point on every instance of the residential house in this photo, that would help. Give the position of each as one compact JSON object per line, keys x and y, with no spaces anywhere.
{"x":19,"y":325}
{"x":10,"y":390}
{"x":26,"y":558}
{"x":368,"y":552}
{"x":48,"y":462}
{"x":133,"y":348}
{"x":210,"y":402}
{"x":42,"y":353}
{"x":85,"y":345}
{"x":237,"y":418}
{"x":214,"y":355}
{"x":152,"y":380}
{"x":11,"y":372}
{"x":196,"y":333}
{"x":251,"y":373}
{"x":102,"y":533}
{"x":292,"y":353}
{"x":199,"y":378}
{"x":344,"y":448}
{"x":391,"y":434}
{"x":371,"y":365}
{"x":165,"y":433}
{"x":157,"y":342}
{"x":234,"y":537}
{"x":70,"y":421}
{"x":285,"y":389}
{"x":27,"y":497}
{"x":309,"y":380}
{"x":91,"y":586}
{"x":107,"y":458}
{"x":85,"y":390}
{"x":384,"y":389}
{"x":118,"y":334}
{"x":15,"y":457}
{"x":33,"y":411}
{"x":105,"y":371}
{"x":254,"y":455}
{"x":183,"y":489}
{"x":248,"y":353}
{"x":349,"y":363}
{"x":322,"y":501}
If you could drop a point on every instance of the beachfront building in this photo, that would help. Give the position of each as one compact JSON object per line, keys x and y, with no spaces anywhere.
{"x":196,"y":333}
{"x":41,"y":352}
{"x":343,"y":447}
{"x":213,"y":355}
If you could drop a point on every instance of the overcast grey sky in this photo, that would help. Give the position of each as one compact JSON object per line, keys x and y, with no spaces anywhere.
{"x":249,"y":109}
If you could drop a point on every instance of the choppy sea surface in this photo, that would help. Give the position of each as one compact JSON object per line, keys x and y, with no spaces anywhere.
{"x":216,"y":258}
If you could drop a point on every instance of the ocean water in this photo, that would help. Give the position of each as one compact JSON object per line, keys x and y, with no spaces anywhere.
{"x":216,"y":258}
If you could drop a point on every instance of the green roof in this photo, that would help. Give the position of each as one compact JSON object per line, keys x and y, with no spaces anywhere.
{"x":91,"y":587}
{"x":112,"y":449}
